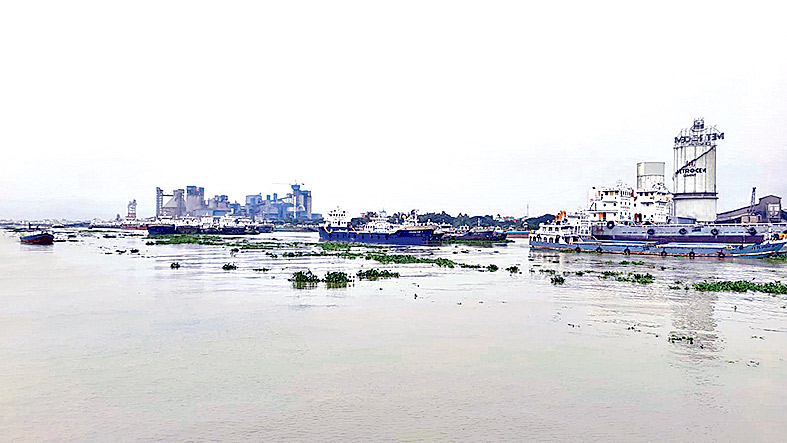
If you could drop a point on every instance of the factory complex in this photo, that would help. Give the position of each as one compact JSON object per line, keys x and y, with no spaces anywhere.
{"x":191,"y":202}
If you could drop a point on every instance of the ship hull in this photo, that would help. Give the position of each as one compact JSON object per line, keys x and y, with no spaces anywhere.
{"x":481,"y":236}
{"x":664,"y":249}
{"x":154,"y":230}
{"x":687,"y":233}
{"x":412,"y":237}
{"x":38,"y":239}
{"x":187,"y":229}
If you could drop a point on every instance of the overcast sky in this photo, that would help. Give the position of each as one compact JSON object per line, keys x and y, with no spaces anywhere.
{"x":478,"y":107}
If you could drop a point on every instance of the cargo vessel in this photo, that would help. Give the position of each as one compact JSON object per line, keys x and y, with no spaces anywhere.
{"x":379,"y":230}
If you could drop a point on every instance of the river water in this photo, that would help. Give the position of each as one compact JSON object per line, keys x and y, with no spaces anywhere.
{"x":98,"y":345}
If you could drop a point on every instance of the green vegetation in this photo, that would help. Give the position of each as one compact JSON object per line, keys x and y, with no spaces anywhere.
{"x":674,"y":338}
{"x":175,"y":265}
{"x":513,"y":269}
{"x":642,"y":279}
{"x":780,"y":257}
{"x":474,"y":242}
{"x":261,"y":269}
{"x":557,"y":280}
{"x":626,"y":262}
{"x":547,"y":271}
{"x":229,"y":267}
{"x":304,"y":277}
{"x":374,"y":274}
{"x":179,"y":239}
{"x":406,"y":259}
{"x":338,"y":246}
{"x":337,"y":279}
{"x":492,"y":268}
{"x":607,"y":274}
{"x":741,"y":286}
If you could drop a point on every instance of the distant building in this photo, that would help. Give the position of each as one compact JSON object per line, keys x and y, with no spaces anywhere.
{"x":297,"y":205}
{"x":767,"y":210}
{"x":176,"y":206}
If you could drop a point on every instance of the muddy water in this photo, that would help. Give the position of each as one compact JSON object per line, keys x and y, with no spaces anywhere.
{"x":102,"y":346}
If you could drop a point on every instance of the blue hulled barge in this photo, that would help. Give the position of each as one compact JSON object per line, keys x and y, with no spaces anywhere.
{"x":573,"y":233}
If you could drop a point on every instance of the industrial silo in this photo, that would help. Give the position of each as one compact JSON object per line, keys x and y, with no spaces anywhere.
{"x":650,"y":175}
{"x":695,"y":172}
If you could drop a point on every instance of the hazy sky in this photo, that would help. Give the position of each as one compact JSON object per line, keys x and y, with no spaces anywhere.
{"x":479,"y":107}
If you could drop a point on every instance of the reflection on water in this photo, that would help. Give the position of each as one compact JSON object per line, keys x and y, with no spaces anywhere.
{"x":102,"y":345}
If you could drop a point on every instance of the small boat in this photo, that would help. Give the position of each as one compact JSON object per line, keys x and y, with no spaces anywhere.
{"x":43,"y":238}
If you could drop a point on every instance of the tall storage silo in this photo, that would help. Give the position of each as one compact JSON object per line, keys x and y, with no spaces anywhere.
{"x":650,"y":175}
{"x":695,"y":172}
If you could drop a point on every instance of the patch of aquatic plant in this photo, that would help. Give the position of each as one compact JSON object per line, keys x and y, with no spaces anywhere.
{"x":374,"y":274}
{"x":261,"y":269}
{"x":608,"y":274}
{"x":474,"y":242}
{"x":135,"y":251}
{"x":304,"y":277}
{"x":229,"y":267}
{"x":674,"y":338}
{"x":174,"y":265}
{"x":492,"y":268}
{"x":178,"y":239}
{"x":513,"y":269}
{"x":626,"y":262}
{"x":258,"y":246}
{"x":741,"y":286}
{"x":780,"y":257}
{"x":350,"y":255}
{"x":337,"y":279}
{"x":642,"y":279}
{"x":406,"y":259}
{"x":547,"y":271}
{"x":234,"y":250}
{"x":557,"y":280}
{"x":579,"y":273}
{"x":338,"y":246}
{"x":609,"y":262}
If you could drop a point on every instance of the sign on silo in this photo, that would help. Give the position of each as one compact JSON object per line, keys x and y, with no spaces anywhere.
{"x":695,"y":171}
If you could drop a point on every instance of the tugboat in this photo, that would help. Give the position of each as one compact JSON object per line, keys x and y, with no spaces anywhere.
{"x":379,"y":230}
